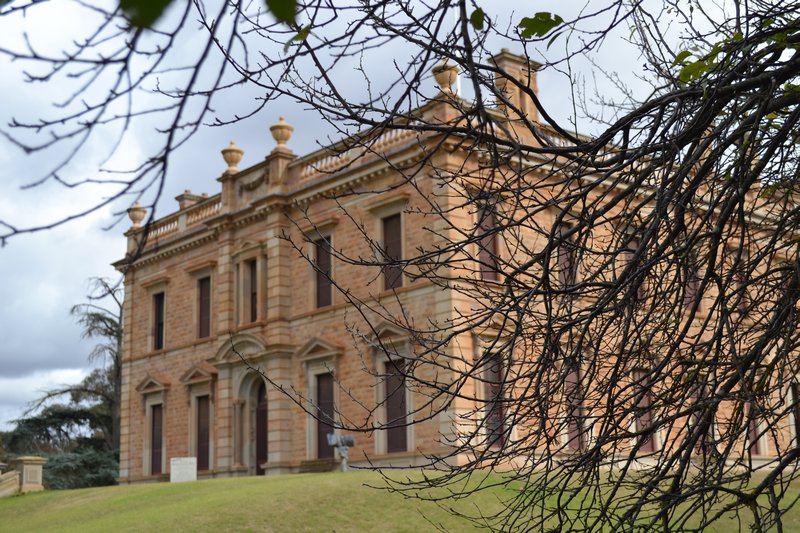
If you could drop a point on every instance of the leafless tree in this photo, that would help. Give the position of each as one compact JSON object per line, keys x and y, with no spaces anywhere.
{"x":633,"y":294}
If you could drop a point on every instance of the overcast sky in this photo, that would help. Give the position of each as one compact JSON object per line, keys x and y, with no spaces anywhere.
{"x":42,"y":275}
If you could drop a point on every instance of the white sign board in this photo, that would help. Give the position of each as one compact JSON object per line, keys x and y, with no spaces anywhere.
{"x":182,"y":469}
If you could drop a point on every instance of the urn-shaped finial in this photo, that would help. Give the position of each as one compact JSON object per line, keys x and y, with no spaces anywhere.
{"x":136,"y":213}
{"x":445,"y":75}
{"x":232,"y":156}
{"x":281,"y":132}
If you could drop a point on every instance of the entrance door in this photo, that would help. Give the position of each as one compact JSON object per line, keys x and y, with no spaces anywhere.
{"x":262,"y":446}
{"x":156,"y":439}
{"x":324,"y":415}
{"x":203,"y":433}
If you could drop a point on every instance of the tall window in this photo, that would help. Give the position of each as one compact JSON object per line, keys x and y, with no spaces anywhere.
{"x":204,"y":307}
{"x":156,"y":439}
{"x":576,"y":416}
{"x":495,"y":415}
{"x":705,"y":442}
{"x":203,"y":432}
{"x":487,"y":244}
{"x":252,"y":289}
{"x":395,"y":405}
{"x":159,"y":316}
{"x":740,"y":278}
{"x":322,"y":261}
{"x":392,"y":251}
{"x":643,"y":413}
{"x":565,"y":252}
{"x":248,"y":290}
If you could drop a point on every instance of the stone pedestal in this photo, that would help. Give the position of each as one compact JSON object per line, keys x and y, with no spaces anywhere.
{"x":30,"y":469}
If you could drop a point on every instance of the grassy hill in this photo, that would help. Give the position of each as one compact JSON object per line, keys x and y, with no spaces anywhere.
{"x":304,"y":502}
{"x":293,"y":503}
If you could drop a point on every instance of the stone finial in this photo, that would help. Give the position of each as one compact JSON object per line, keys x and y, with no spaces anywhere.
{"x":232,"y":156}
{"x":136,"y":213}
{"x":445,"y":75}
{"x":281,"y":132}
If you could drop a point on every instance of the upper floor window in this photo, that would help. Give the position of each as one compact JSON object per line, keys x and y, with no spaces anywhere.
{"x":159,"y":318}
{"x":392,"y":251}
{"x":248,"y":274}
{"x":565,"y":254}
{"x":204,"y":307}
{"x":322,"y":271}
{"x":252,"y":290}
{"x":487,"y":243}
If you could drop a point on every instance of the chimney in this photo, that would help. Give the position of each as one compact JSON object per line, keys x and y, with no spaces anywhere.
{"x":522,"y":70}
{"x":187,"y":199}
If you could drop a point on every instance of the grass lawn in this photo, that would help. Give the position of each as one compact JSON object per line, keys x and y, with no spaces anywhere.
{"x":302,"y":502}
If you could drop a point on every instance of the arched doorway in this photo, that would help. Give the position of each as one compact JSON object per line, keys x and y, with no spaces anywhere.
{"x":262,"y":445}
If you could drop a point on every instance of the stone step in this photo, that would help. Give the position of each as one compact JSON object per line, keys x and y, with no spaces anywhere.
{"x":318,"y":465}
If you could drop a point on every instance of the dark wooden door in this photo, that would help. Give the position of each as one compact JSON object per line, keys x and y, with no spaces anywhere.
{"x":157,"y":438}
{"x":262,"y":445}
{"x":395,"y":408}
{"x":203,"y":433}
{"x":324,"y":415}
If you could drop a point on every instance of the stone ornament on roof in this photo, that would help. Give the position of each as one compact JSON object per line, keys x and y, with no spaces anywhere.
{"x":281,"y":132}
{"x":445,"y":75}
{"x":232,"y":156}
{"x":136,"y":213}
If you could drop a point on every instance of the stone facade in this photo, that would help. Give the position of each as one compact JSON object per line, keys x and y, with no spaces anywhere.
{"x":180,"y":375}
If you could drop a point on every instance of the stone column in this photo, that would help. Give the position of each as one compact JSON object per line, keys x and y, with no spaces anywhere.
{"x":279,"y":368}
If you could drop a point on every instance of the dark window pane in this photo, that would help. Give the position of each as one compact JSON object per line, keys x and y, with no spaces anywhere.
{"x":156,"y":438}
{"x":487,"y":244}
{"x":393,"y":251}
{"x":396,"y":411}
{"x":204,"y":307}
{"x":252,"y":290}
{"x":158,"y":321}
{"x":322,"y":259}
{"x":203,"y":433}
